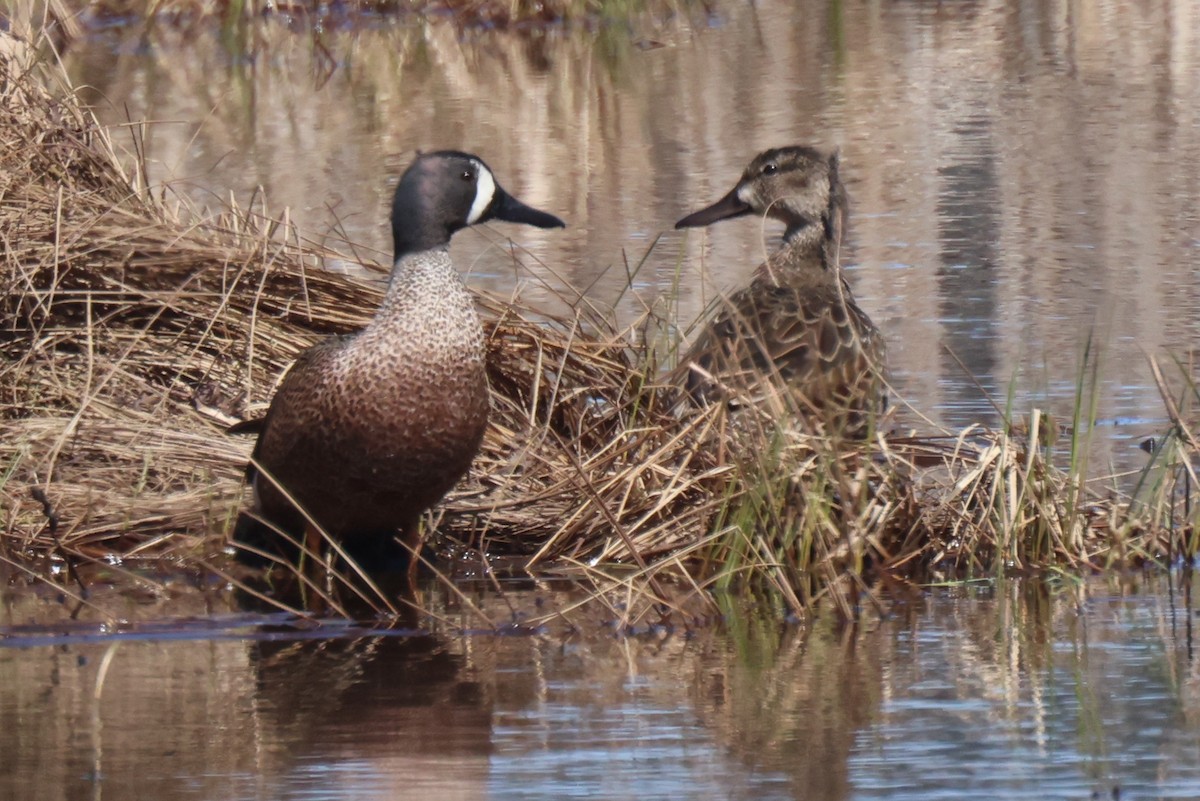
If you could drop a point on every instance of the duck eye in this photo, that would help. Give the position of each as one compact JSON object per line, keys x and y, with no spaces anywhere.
{"x":770,"y":168}
{"x":467,"y":175}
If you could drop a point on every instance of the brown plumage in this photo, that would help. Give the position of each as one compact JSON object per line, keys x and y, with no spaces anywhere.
{"x":793,"y":341}
{"x":368,"y":431}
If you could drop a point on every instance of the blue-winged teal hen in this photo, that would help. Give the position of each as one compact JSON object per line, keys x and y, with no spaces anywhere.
{"x":796,"y":327}
{"x":368,"y":431}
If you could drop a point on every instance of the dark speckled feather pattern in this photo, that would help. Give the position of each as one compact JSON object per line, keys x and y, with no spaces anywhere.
{"x":368,"y":431}
{"x":796,"y":327}
{"x":392,"y":416}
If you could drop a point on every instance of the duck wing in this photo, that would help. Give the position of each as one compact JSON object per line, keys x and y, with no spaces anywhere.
{"x":295,"y":385}
{"x":813,"y":342}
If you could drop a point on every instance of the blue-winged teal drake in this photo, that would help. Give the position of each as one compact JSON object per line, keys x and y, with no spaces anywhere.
{"x":367,"y":431}
{"x":796,"y":327}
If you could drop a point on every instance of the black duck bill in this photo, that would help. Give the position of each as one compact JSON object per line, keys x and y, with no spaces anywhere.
{"x":508,"y":208}
{"x":726,"y":208}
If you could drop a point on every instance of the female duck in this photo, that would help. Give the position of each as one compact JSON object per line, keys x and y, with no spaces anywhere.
{"x":368,"y":431}
{"x":795,"y":335}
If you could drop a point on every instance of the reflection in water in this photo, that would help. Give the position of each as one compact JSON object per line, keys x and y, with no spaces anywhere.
{"x":968,"y":230}
{"x":1035,"y":686}
{"x":1002,"y":690}
{"x":796,"y":700}
{"x":376,"y":717}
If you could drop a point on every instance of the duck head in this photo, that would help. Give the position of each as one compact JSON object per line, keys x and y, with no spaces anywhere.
{"x":796,"y":185}
{"x":445,"y":191}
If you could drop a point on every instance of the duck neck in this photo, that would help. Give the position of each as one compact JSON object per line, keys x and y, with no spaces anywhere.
{"x":415,"y":228}
{"x":807,"y":258}
{"x":803,"y":233}
{"x":811,"y":239}
{"x":410,"y":241}
{"x":418,"y":282}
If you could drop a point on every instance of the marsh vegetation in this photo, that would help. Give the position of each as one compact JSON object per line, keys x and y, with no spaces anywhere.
{"x":137,"y":327}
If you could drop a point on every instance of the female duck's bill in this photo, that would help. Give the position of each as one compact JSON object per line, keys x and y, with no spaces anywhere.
{"x":726,"y":208}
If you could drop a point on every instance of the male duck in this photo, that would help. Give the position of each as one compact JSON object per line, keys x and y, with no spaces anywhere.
{"x":796,"y":327}
{"x":367,"y":431}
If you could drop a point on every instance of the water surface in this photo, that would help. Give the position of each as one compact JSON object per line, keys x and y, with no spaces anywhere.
{"x":990,"y":691}
{"x":1024,"y":178}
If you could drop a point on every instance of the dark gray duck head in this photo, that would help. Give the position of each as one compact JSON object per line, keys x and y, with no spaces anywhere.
{"x":796,"y":185}
{"x":445,"y":191}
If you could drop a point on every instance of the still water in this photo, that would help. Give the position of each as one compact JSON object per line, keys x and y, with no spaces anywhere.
{"x":993,"y":691}
{"x":1024,"y":177}
{"x":1025,"y":174}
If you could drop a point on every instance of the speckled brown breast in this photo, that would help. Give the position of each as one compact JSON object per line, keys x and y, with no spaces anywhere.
{"x":367,"y":432}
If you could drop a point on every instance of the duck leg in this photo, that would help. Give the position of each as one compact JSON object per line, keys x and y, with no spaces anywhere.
{"x":315,"y":565}
{"x":410,"y":535}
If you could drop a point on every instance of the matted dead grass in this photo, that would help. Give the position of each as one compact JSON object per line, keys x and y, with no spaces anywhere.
{"x":134,"y":331}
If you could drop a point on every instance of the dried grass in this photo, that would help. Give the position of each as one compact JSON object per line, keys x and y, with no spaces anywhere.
{"x":134,"y":330}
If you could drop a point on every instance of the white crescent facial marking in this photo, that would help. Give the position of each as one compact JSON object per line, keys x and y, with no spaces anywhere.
{"x":485,"y":191}
{"x":744,"y":193}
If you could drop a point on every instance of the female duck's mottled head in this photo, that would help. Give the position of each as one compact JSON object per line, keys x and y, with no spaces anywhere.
{"x":797,"y":185}
{"x":445,"y":191}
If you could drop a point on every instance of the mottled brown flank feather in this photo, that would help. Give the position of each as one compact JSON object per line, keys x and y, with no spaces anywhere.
{"x":811,"y":341}
{"x":794,"y":340}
